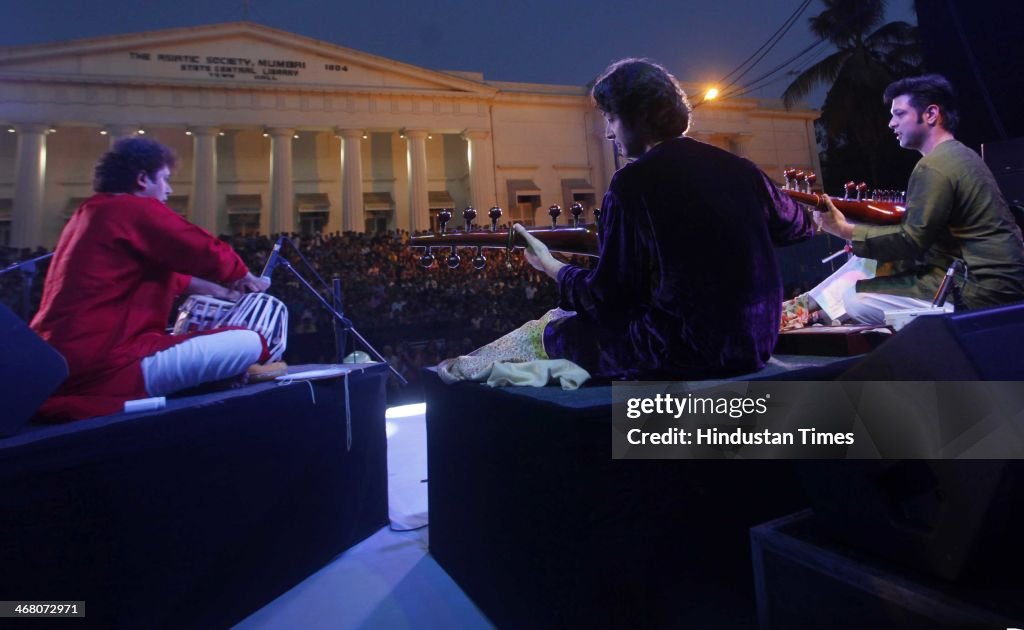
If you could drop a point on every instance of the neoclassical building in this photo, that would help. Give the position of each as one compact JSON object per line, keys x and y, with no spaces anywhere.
{"x":276,"y":132}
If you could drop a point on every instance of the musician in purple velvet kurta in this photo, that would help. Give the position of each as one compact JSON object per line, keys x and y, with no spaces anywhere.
{"x":687,"y":285}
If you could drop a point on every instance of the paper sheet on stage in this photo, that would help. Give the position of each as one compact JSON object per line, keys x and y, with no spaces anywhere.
{"x":829,"y":294}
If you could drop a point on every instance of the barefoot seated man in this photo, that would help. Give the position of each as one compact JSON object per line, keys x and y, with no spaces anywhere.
{"x":954,"y":211}
{"x":687,"y":284}
{"x":121,"y":260}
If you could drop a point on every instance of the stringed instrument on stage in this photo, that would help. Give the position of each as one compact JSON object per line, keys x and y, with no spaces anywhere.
{"x":882,"y":207}
{"x":574,"y":239}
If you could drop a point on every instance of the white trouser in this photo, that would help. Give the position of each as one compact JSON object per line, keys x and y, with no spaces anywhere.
{"x":200,"y":360}
{"x":869,"y":308}
{"x":837,"y":295}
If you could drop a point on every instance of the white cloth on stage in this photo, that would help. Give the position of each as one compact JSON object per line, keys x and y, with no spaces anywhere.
{"x":837,"y":295}
{"x":830,"y":292}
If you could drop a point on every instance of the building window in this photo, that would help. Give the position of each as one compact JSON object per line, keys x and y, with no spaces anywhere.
{"x":314,"y":210}
{"x":244,"y":214}
{"x":524,"y":199}
{"x":525,"y":210}
{"x":579,"y":191}
{"x":244,"y":223}
{"x":378,"y":212}
{"x":312,"y":222}
{"x":377,"y":222}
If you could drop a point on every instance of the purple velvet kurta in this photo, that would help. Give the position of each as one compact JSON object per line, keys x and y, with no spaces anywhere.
{"x":687,"y":285}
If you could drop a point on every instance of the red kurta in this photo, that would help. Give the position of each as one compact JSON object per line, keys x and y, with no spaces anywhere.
{"x":117,"y":269}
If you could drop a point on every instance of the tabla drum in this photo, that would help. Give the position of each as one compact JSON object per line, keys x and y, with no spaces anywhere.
{"x":264,"y":314}
{"x":200,"y":312}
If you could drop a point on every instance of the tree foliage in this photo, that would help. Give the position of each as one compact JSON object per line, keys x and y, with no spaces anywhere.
{"x":869,"y":55}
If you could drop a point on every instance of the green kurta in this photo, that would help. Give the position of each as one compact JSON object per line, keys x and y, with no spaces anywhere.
{"x":954,"y":210}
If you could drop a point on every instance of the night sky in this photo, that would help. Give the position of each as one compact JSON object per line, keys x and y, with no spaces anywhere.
{"x":542,"y":41}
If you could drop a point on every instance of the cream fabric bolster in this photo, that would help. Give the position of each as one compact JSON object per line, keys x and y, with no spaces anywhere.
{"x":538,"y":374}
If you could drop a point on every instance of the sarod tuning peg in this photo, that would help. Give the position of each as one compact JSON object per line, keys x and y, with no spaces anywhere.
{"x":469,"y":214}
{"x":479,"y":262}
{"x":554,"y":211}
{"x":443,"y":217}
{"x":576,"y":209}
{"x":495,"y":214}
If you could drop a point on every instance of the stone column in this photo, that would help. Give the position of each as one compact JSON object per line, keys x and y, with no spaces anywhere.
{"x":282,"y":199}
{"x":29,"y":179}
{"x":352,"y":215}
{"x":739,"y":144}
{"x":482,"y":193}
{"x":419,"y":200}
{"x":116,"y":132}
{"x":203,"y":211}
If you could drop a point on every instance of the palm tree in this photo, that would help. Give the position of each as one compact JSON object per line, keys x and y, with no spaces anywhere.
{"x":869,"y":55}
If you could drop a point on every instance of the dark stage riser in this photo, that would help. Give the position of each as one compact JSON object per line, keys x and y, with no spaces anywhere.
{"x":196,"y":516}
{"x":541,"y":528}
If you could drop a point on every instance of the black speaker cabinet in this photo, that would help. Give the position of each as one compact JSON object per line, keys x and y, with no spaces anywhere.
{"x":951,"y":518}
{"x":30,"y":370}
{"x":1004,"y":156}
{"x":975,"y":345}
{"x":1006,"y":161}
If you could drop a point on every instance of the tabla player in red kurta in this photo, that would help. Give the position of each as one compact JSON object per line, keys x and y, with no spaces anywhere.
{"x":121,"y":261}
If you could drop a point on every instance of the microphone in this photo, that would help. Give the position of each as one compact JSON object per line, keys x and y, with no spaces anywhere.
{"x":947,"y":283}
{"x":273,"y":259}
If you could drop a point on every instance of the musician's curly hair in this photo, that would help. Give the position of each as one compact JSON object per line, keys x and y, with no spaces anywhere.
{"x":925,"y":90}
{"x":645,"y":97}
{"x":118,"y":170}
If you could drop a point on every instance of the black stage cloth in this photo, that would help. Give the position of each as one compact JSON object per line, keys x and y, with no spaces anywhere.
{"x":542,"y":528}
{"x":198,"y":514}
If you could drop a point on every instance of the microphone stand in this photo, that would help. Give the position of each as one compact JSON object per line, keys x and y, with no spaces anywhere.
{"x":340,"y":334}
{"x":28,"y":276}
{"x":346,"y":323}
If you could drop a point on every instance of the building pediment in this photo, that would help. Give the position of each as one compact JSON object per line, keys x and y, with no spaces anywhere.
{"x":240,"y":54}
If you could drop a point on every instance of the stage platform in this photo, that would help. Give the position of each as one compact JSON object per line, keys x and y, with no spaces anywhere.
{"x":200,"y":513}
{"x":537,"y":523}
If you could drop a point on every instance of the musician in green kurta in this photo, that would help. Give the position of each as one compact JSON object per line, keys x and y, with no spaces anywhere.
{"x":954,"y":211}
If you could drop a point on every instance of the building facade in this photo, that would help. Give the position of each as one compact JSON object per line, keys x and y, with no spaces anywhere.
{"x":276,"y":132}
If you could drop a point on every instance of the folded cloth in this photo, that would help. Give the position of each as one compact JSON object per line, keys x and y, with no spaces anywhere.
{"x":538,"y":374}
{"x":517,"y":358}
